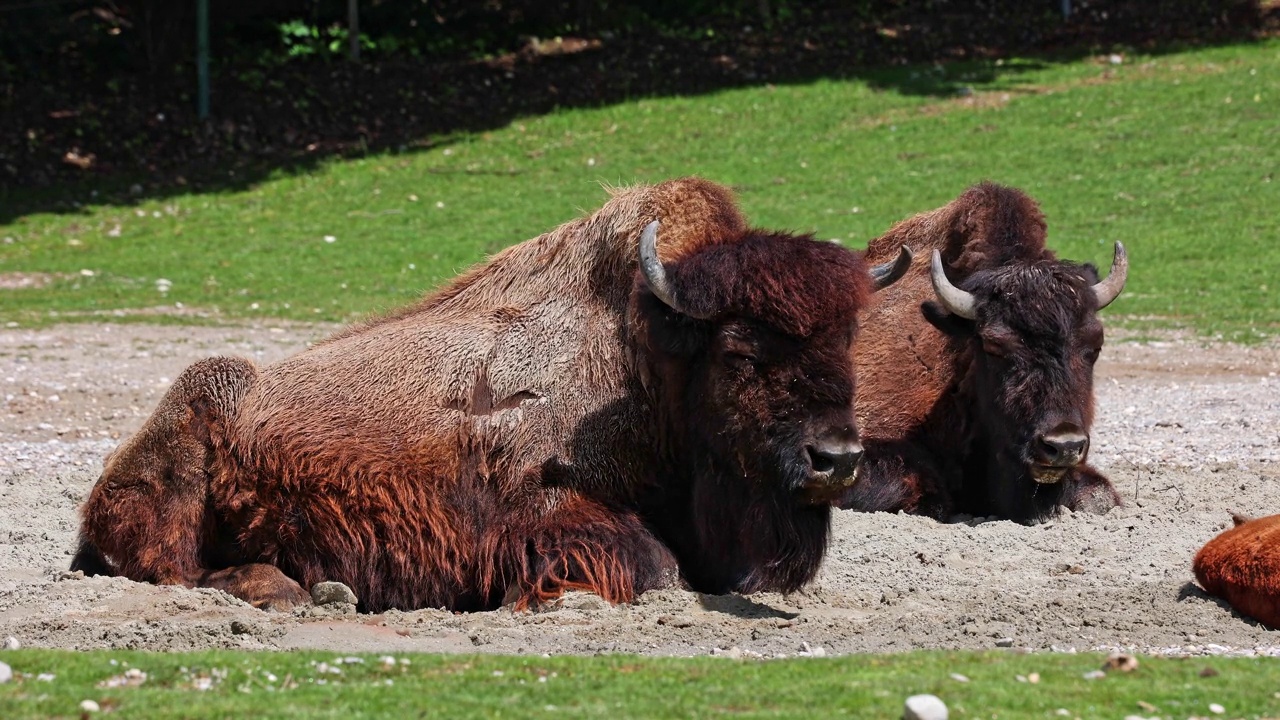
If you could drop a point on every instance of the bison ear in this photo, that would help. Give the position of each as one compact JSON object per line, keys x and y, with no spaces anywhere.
{"x":946,"y":322}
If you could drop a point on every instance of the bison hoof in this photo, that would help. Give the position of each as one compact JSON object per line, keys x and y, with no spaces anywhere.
{"x":1095,"y":502}
{"x":262,"y":586}
{"x":283,"y":599}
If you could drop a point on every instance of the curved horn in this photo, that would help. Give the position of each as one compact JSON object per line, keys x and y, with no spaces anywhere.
{"x":1109,"y":289}
{"x":958,"y":301}
{"x":886,"y":274}
{"x":655,"y":275}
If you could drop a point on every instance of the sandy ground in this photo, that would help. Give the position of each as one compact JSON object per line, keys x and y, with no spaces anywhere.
{"x":1187,"y":431}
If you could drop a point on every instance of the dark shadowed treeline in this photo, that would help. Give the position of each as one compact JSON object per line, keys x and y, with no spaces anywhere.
{"x":106,"y":90}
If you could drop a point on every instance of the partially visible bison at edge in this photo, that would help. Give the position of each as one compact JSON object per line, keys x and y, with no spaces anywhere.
{"x":1242,"y":566}
{"x":976,"y":370}
{"x":575,"y":413}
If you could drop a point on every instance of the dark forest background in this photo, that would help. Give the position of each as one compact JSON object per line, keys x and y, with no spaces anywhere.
{"x":107,"y":89}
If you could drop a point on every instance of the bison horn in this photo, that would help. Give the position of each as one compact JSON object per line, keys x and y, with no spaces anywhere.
{"x":1109,"y":289}
{"x":958,"y":301}
{"x":655,"y":275}
{"x":886,"y":274}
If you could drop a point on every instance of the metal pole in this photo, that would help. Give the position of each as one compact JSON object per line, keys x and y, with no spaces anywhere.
{"x":202,"y":58}
{"x":353,"y":29}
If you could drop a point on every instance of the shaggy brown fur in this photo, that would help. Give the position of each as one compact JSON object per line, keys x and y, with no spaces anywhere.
{"x":544,"y":422}
{"x":1242,"y":566}
{"x":950,"y":408}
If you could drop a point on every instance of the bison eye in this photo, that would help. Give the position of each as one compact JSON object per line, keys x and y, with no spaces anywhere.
{"x":739,"y":359}
{"x":997,"y":347}
{"x":1092,"y":354}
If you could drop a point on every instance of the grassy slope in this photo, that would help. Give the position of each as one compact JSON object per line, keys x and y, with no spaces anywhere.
{"x":488,"y":686}
{"x":1175,"y":155}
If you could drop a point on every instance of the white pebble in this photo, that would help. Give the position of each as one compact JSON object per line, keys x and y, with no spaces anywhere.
{"x":12,"y":643}
{"x":89,"y":706}
{"x":924,"y":707}
{"x":1216,"y":709}
{"x":959,"y":678}
{"x":6,"y":673}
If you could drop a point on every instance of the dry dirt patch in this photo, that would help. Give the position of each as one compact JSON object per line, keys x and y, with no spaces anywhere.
{"x":1188,"y":432}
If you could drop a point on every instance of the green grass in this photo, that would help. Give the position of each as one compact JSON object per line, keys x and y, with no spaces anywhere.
{"x":250,"y":684}
{"x":1176,"y":155}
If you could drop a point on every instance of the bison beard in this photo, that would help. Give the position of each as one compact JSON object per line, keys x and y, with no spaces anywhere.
{"x":978,"y":397}
{"x":547,"y":421}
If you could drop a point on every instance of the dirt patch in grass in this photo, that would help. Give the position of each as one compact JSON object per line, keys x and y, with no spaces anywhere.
{"x":28,"y":280}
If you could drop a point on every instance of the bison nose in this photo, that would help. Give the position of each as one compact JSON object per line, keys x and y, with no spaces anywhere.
{"x":834,"y":461}
{"x":1065,"y":446}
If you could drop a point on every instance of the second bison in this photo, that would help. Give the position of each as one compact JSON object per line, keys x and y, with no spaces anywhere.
{"x":976,"y":370}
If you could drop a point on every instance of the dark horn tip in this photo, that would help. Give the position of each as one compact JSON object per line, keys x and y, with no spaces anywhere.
{"x":886,"y":274}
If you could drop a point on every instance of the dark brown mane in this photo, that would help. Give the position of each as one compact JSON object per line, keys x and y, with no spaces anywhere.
{"x":793,"y":283}
{"x":994,"y":226}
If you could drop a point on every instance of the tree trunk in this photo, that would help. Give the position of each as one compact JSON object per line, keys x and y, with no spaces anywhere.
{"x":353,"y":30}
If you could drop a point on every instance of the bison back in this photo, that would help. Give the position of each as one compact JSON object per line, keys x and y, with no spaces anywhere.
{"x":904,"y":363}
{"x":1242,"y":566}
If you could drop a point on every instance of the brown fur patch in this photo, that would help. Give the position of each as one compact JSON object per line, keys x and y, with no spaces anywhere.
{"x":793,"y":283}
{"x":1242,"y":566}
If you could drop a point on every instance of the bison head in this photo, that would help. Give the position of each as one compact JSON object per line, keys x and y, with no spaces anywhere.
{"x":1034,"y":336}
{"x":748,"y":345}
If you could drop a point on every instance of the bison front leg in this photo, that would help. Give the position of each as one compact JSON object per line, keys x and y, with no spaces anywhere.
{"x":262,"y":586}
{"x":580,"y":545}
{"x":1087,"y":490}
{"x":148,"y":517}
{"x":898,"y":477}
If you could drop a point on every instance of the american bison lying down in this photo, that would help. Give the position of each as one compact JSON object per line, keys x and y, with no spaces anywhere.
{"x":589,"y":409}
{"x":1242,"y":566}
{"x":975,"y":371}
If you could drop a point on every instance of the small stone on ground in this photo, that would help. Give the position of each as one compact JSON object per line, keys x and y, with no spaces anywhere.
{"x":324,"y":593}
{"x":924,"y":707}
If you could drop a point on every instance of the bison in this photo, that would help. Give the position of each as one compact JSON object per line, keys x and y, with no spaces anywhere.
{"x":975,"y":371}
{"x":583,"y":411}
{"x":1242,"y":566}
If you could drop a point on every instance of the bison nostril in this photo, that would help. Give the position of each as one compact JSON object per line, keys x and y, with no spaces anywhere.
{"x":1062,"y":449}
{"x":1048,"y":451}
{"x":836,"y":460}
{"x":820,"y":461}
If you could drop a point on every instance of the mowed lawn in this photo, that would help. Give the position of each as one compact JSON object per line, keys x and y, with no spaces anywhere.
{"x":1007,"y":685}
{"x":1177,"y":155}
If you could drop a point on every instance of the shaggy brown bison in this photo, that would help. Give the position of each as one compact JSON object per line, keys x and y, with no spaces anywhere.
{"x":1242,"y":566}
{"x":589,"y":409}
{"x":976,"y":370}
